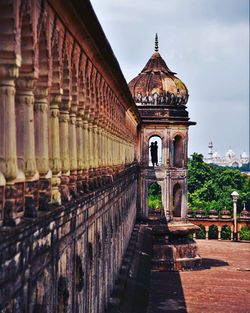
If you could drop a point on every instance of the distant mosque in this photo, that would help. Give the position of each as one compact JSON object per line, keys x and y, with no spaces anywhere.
{"x":230,"y":158}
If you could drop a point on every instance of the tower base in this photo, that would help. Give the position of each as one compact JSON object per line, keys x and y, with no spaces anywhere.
{"x":173,"y":249}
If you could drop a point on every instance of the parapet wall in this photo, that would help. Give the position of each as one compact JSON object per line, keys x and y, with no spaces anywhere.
{"x":67,"y":259}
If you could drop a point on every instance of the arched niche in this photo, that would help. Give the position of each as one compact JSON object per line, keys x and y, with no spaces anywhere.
{"x":155,"y":198}
{"x":154,"y":151}
{"x":235,"y":164}
{"x":201,"y":233}
{"x":213,"y":232}
{"x":178,"y":154}
{"x":177,"y":200}
{"x":225,"y":232}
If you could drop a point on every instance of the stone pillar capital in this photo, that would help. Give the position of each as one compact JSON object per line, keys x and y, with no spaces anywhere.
{"x":8,"y":71}
{"x":80,"y":112}
{"x":65,"y":105}
{"x":73,"y":107}
{"x":72,"y":118}
{"x":85,"y":124}
{"x":63,"y":117}
{"x":56,"y":96}
{"x":79,"y":122}
{"x":24,"y":84}
{"x":41,"y":92}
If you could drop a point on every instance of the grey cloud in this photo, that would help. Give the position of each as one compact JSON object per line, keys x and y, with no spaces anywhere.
{"x":205,"y":42}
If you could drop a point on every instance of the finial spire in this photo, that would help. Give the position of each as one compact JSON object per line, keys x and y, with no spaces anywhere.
{"x":156,"y":43}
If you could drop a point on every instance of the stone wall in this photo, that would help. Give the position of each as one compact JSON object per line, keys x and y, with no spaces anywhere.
{"x":67,"y":259}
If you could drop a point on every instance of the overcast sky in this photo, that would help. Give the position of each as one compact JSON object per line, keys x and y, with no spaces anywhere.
{"x":206,"y":43}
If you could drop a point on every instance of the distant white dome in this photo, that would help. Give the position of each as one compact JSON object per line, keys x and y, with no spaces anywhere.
{"x":230,"y":153}
{"x":216,"y":154}
{"x":244,"y":155}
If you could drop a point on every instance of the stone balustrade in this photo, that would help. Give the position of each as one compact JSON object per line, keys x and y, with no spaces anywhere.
{"x":67,"y":125}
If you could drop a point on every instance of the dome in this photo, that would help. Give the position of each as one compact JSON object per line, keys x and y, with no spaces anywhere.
{"x":244,"y":213}
{"x":244,"y":155}
{"x":213,"y":212}
{"x":225,"y":213}
{"x":200,"y":213}
{"x":157,"y":84}
{"x":190,"y":212}
{"x":216,"y":154}
{"x":230,"y":153}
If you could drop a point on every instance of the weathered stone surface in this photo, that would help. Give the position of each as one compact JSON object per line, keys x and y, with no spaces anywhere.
{"x":181,"y":228}
{"x":65,"y":263}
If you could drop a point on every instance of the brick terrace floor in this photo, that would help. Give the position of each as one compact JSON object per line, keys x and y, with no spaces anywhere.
{"x":222,"y":285}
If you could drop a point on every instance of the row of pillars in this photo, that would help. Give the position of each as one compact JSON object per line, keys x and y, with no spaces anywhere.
{"x":46,"y":142}
{"x":233,"y":235}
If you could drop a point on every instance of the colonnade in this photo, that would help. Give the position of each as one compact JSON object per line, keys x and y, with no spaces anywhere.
{"x":64,"y":128}
{"x":219,"y":227}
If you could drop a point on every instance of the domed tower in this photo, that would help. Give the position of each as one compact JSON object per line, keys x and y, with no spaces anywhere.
{"x":161,"y":98}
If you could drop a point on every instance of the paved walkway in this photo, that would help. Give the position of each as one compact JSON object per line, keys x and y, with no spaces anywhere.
{"x":222,"y":285}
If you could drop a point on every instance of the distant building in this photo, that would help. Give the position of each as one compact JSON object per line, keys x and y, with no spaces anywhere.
{"x":229,"y":159}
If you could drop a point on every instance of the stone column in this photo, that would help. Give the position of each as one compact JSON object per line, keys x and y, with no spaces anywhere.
{"x":169,"y":213}
{"x":26,"y":142}
{"x":95,"y":146}
{"x":219,"y":232}
{"x":108,"y":149}
{"x":100,"y":147}
{"x":42,"y":145}
{"x":64,"y":148}
{"x":73,"y":150}
{"x":8,"y":155}
{"x":105,"y":148}
{"x":104,"y":163}
{"x":115,"y":152}
{"x":85,"y":153}
{"x":117,"y":143}
{"x":100,"y":155}
{"x":111,"y":149}
{"x":186,"y":151}
{"x":54,"y":151}
{"x":90,"y":154}
{"x":95,"y":154}
{"x":80,"y":155}
{"x":184,"y":204}
{"x":207,"y":230}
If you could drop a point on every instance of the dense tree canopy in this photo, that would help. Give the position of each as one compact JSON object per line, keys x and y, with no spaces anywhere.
{"x":210,"y":186}
{"x":154,"y":196}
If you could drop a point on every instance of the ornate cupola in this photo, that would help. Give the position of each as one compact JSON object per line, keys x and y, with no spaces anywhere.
{"x":161,"y":99}
{"x":157,"y":85}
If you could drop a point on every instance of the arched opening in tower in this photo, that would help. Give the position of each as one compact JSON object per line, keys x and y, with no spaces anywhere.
{"x":155,"y":151}
{"x":178,"y":151}
{"x":177,"y":195}
{"x":155,"y":198}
